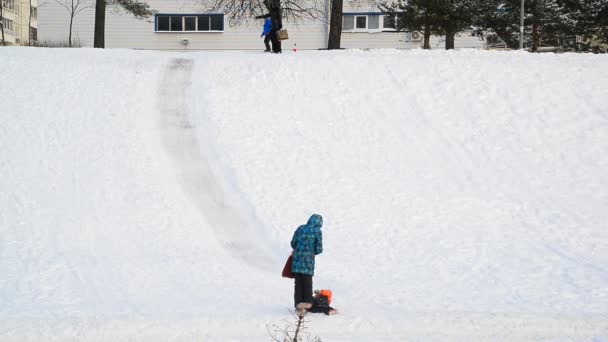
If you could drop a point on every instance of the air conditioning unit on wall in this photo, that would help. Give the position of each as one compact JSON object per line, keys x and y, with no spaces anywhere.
{"x":415,"y":36}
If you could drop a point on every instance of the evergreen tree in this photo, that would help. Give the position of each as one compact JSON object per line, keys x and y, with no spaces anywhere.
{"x":454,"y":16}
{"x":591,"y":23}
{"x":445,"y":17}
{"x":414,"y":15}
{"x":549,"y":21}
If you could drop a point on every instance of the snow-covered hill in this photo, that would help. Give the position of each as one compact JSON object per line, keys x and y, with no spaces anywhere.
{"x":152,"y":196}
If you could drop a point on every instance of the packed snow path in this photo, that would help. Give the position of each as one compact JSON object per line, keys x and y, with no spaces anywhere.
{"x":206,"y":190}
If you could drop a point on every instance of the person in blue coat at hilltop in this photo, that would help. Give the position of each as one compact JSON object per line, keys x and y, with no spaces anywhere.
{"x":276,"y":22}
{"x":307,"y":242}
{"x":266,"y":33}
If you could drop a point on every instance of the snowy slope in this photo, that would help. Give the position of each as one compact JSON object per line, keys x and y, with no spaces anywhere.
{"x":152,"y":196}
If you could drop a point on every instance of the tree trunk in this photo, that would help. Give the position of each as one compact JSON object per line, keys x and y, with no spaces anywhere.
{"x":449,"y":39}
{"x":427,"y":37}
{"x":335,"y":25}
{"x":70,"y":36}
{"x":535,"y":37}
{"x":2,"y":23}
{"x":100,"y":23}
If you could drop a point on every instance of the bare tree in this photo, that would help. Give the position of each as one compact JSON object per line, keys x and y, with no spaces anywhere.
{"x":99,"y":34}
{"x":140,"y":9}
{"x":292,"y":331}
{"x":2,"y":21}
{"x":335,"y":25}
{"x":74,"y":7}
{"x":242,"y":11}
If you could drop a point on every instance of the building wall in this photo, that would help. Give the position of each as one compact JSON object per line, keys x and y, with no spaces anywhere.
{"x":124,"y":31}
{"x":54,"y":23}
{"x":18,"y":15}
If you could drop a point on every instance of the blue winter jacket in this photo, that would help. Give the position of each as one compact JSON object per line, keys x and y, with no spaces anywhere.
{"x":267,"y":26}
{"x":307,"y":242}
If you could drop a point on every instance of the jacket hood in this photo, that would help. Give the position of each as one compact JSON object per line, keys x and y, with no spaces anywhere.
{"x":315,"y":221}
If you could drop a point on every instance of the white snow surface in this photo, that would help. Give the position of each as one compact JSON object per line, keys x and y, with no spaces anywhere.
{"x":148,"y":196}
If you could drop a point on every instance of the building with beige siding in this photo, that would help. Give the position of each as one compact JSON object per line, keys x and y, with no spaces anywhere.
{"x":19,"y":21}
{"x":183,"y":25}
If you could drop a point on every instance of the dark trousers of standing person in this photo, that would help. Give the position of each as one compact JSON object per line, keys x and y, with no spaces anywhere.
{"x":276,"y":43}
{"x":267,"y":41}
{"x":303,"y":288}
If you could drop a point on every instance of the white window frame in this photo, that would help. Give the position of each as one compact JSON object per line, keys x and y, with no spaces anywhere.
{"x":387,"y":29}
{"x":361,"y":29}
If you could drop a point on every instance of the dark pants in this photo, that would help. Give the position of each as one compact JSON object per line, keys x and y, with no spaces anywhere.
{"x":320,"y":309}
{"x":276,"y":43}
{"x":267,"y":41}
{"x":303,"y":288}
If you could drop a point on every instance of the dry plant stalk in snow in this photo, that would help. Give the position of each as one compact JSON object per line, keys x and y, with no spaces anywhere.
{"x":292,"y":331}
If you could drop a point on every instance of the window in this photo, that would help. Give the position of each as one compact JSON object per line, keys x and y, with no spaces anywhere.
{"x":162,"y":23}
{"x":9,"y":4}
{"x":7,"y":25}
{"x":389,"y":22}
{"x":176,"y":23}
{"x":210,"y":22}
{"x":373,"y":22}
{"x":348,"y":23}
{"x":203,"y":23}
{"x":189,"y":23}
{"x":34,"y":33}
{"x":34,"y":13}
{"x":217,"y":23}
{"x":362,"y":22}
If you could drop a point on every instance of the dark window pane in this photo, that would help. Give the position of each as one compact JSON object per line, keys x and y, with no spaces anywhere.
{"x":399,"y":23}
{"x":217,"y":23}
{"x":348,"y":23}
{"x":176,"y":24}
{"x":203,"y":23}
{"x":389,"y":21}
{"x":190,"y":23}
{"x":163,"y":24}
{"x":361,"y":22}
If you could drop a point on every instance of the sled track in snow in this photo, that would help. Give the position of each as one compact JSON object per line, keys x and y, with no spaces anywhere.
{"x":191,"y":163}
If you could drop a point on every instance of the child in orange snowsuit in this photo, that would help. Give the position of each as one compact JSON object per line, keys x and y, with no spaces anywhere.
{"x":320,"y":302}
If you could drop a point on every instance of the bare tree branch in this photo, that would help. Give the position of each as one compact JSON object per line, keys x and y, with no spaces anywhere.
{"x":242,"y":11}
{"x":74,"y":7}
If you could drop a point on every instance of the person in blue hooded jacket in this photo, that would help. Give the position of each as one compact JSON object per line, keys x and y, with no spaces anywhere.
{"x":266,"y":33}
{"x":307,"y":242}
{"x":276,"y":22}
